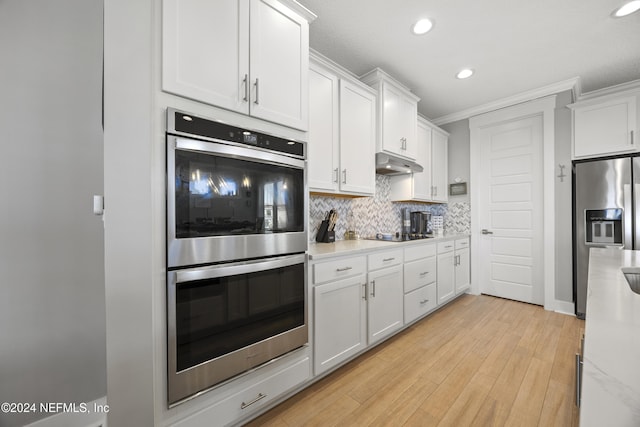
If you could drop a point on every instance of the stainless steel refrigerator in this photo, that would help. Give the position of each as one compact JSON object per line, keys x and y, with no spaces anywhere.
{"x":605,"y":213}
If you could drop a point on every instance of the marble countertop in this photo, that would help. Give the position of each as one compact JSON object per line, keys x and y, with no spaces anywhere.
{"x":353,"y":247}
{"x":611,"y":369}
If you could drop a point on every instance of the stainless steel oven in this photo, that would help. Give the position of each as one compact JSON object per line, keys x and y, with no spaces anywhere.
{"x":232,"y":193}
{"x":226,"y":319}
{"x":237,"y":208}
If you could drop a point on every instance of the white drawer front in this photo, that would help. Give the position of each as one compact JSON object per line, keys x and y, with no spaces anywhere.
{"x":419,"y":302}
{"x":444,"y":247}
{"x":246,"y":401}
{"x":419,"y":273}
{"x":339,"y":269}
{"x":379,"y":260}
{"x":419,"y":251}
{"x":462,"y":243}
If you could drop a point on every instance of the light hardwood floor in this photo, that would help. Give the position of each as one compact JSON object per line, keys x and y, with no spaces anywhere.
{"x":479,"y":361}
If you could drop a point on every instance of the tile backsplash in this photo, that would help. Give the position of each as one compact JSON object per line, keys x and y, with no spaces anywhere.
{"x":371,"y":215}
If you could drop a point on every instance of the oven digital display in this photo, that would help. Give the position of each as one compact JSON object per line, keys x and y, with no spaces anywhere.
{"x":250,"y":138}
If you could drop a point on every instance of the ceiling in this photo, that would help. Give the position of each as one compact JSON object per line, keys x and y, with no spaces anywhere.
{"x":515,"y":46}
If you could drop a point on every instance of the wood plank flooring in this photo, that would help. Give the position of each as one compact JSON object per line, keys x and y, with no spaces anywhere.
{"x":479,"y":361}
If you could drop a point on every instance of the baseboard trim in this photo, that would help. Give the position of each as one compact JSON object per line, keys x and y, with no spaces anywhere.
{"x":91,"y":418}
{"x":564,"y":307}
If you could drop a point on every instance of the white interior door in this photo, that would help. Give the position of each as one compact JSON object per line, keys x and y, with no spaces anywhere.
{"x":511,"y":208}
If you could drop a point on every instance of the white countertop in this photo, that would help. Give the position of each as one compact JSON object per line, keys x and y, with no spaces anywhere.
{"x":611,"y":370}
{"x":354,"y":247}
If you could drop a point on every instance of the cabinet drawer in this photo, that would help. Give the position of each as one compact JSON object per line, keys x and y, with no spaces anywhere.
{"x":419,"y":273}
{"x":419,"y":302}
{"x":248,"y":400}
{"x":462,"y":243}
{"x":444,"y":247}
{"x":419,"y":251}
{"x":385,"y":259}
{"x":339,"y":269}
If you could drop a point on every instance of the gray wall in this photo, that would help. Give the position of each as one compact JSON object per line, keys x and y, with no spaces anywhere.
{"x":564,"y":242}
{"x":52,"y":306}
{"x":459,"y":166}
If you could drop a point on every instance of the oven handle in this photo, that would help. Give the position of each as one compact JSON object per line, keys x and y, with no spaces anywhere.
{"x":234,"y":151}
{"x":244,"y":267}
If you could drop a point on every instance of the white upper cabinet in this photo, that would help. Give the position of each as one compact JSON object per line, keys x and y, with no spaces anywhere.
{"x":342,"y":117}
{"x":432,"y":154}
{"x":439,"y":169}
{"x":397,"y":115}
{"x":249,"y":56}
{"x":324,"y":141}
{"x":357,"y":136}
{"x":606,"y":125}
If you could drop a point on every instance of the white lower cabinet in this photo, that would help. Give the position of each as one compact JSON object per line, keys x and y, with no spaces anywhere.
{"x":420,"y":273}
{"x":252,"y":396}
{"x":385,"y":303}
{"x":453,"y":269}
{"x":462,"y":266}
{"x":419,"y":302}
{"x":446,"y":272}
{"x":340,"y":323}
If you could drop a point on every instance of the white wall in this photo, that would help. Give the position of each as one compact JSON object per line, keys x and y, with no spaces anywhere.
{"x":52,"y":309}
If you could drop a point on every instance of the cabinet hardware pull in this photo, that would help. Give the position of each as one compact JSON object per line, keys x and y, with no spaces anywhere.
{"x":337,"y":175}
{"x":578,"y":378}
{"x":388,"y":259}
{"x":246,"y":87}
{"x":631,"y":137}
{"x":257,"y":101}
{"x":424,"y":273}
{"x":364,"y":291}
{"x":344,"y":269}
{"x":246,"y":405}
{"x":424,"y":301}
{"x":373,"y":288}
{"x":344,"y":176}
{"x":485,"y":231}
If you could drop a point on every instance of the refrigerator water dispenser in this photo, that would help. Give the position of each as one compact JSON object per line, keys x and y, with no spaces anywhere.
{"x":603,"y":226}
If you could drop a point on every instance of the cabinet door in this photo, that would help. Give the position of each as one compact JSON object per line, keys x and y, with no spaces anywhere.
{"x":409,"y":127}
{"x":446,"y":276}
{"x":392,"y":120}
{"x":462,"y":272}
{"x":323,"y":135}
{"x":279,"y":57}
{"x":340,"y":311}
{"x":439,"y":174}
{"x":357,"y":140}
{"x":385,"y":303}
{"x":422,"y":180}
{"x":605,"y":128}
{"x":205,"y":51}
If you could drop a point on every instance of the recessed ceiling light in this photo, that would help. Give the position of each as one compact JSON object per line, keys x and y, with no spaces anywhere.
{"x":187,"y":118}
{"x":626,"y":9}
{"x":421,"y":27}
{"x":464,"y":74}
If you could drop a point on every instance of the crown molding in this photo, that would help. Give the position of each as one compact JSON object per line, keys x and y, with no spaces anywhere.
{"x":632,"y":86}
{"x":300,"y":9}
{"x":572,"y":84}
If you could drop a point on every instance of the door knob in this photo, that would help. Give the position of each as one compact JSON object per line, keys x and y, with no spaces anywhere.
{"x":485,"y":231}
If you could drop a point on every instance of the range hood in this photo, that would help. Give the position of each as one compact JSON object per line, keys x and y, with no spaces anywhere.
{"x":388,"y":164}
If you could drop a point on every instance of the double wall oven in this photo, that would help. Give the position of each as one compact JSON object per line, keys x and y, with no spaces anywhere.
{"x":236,"y":240}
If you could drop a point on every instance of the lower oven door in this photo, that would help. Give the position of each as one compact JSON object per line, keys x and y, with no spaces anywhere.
{"x":226,"y":319}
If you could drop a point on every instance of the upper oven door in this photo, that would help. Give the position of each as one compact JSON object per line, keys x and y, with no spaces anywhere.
{"x":227,"y":203}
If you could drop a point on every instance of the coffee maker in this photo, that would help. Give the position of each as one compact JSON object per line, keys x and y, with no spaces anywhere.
{"x":420,"y":225}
